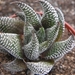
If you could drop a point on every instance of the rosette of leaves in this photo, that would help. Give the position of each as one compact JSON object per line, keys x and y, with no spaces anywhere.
{"x":39,"y":48}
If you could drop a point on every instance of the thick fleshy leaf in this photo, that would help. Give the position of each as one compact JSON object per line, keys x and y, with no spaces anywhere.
{"x":21,"y":15}
{"x":15,"y":66}
{"x":61,"y":22}
{"x":60,"y":48}
{"x":11,"y":43}
{"x":50,"y":16}
{"x":11,"y":25}
{"x":41,"y":67}
{"x":31,"y":50}
{"x":61,"y":17}
{"x":30,"y":14}
{"x":41,"y":34}
{"x":28,"y":28}
{"x":51,"y":35}
{"x":43,"y":47}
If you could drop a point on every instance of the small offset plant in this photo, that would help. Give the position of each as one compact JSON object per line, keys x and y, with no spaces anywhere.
{"x":39,"y":47}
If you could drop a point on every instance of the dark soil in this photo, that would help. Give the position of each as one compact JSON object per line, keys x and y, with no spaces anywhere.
{"x":66,"y":66}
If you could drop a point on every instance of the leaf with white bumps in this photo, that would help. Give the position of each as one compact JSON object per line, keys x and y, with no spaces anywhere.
{"x":43,"y":46}
{"x":41,"y":34}
{"x":31,"y":50}
{"x":50,"y":16}
{"x":61,"y":22}
{"x":15,"y":66}
{"x":30,"y":14}
{"x":51,"y":35}
{"x":41,"y":67}
{"x":28,"y":28}
{"x":11,"y":43}
{"x":59,"y":49}
{"x":21,"y":15}
{"x":11,"y":25}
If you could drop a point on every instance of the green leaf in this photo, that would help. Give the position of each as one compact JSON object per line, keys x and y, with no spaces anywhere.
{"x":11,"y":25}
{"x":15,"y":66}
{"x":31,"y":50}
{"x":11,"y":43}
{"x":43,"y":47}
{"x":41,"y":67}
{"x":30,"y":14}
{"x":21,"y":15}
{"x":51,"y":35}
{"x":59,"y":49}
{"x":50,"y":16}
{"x":41,"y":34}
{"x":61,"y":22}
{"x":28,"y":28}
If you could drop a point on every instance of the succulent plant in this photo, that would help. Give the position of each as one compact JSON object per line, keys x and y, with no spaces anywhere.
{"x":39,"y":47}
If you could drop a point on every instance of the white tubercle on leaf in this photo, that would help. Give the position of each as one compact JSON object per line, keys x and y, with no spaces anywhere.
{"x":31,"y":50}
{"x":59,"y":49}
{"x":15,"y":66}
{"x":41,"y":68}
{"x":30,"y":14}
{"x":50,"y":16}
{"x":12,"y":44}
{"x":28,"y":28}
{"x":61,"y":17}
{"x":51,"y":35}
{"x":11,"y":25}
{"x":61,"y":22}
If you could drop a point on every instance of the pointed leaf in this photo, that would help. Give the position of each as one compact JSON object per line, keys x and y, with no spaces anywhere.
{"x":31,"y":50}
{"x":41,"y":68}
{"x":30,"y":14}
{"x":60,"y":48}
{"x":61,"y":22}
{"x":11,"y":25}
{"x":21,"y":15}
{"x":50,"y":16}
{"x":41,"y":34}
{"x":11,"y":43}
{"x":15,"y":66}
{"x":43,"y":47}
{"x":52,"y":34}
{"x":28,"y":28}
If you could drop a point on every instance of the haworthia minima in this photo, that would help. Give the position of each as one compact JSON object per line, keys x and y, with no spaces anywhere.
{"x":28,"y":28}
{"x":11,"y":25}
{"x":51,"y":35}
{"x":30,"y":14}
{"x":58,"y":49}
{"x":41,"y":34}
{"x":41,"y":67}
{"x":50,"y":16}
{"x":31,"y":50}
{"x":61,"y":22}
{"x":11,"y":43}
{"x":15,"y":66}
